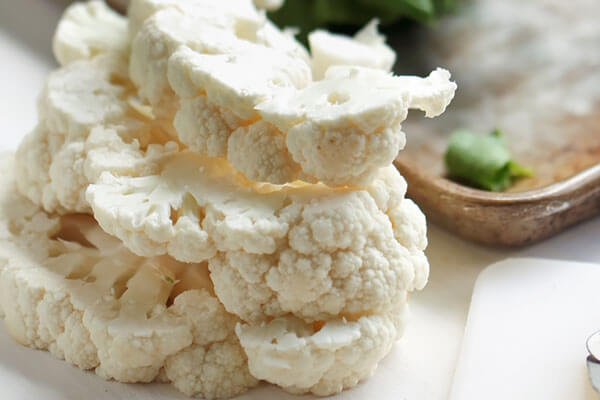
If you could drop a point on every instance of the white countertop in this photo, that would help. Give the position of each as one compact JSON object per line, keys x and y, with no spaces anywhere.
{"x":427,"y":354}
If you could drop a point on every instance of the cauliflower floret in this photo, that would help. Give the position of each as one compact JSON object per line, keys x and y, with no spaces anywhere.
{"x":366,"y":49}
{"x":302,"y":249}
{"x":74,"y":143}
{"x":323,"y":358}
{"x":204,"y":126}
{"x":259,"y":150}
{"x":87,"y":29}
{"x":68,"y":287}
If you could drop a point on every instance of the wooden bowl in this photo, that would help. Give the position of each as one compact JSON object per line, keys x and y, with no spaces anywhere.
{"x":504,"y":219}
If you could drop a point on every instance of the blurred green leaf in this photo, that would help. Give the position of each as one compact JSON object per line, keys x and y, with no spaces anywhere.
{"x":482,"y":161}
{"x":308,"y":15}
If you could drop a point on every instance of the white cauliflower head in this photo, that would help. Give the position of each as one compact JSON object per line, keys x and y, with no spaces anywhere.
{"x":302,"y":249}
{"x":322,"y":358}
{"x":87,"y":29}
{"x":68,"y":287}
{"x":366,"y":49}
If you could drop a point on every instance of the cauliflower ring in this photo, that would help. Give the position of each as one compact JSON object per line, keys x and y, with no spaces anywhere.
{"x":69,"y":288}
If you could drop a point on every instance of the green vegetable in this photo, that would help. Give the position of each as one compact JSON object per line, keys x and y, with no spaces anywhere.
{"x":482,"y":161}
{"x":308,"y":15}
{"x":169,"y":279}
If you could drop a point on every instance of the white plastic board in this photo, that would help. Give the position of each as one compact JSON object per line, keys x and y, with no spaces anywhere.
{"x":526,"y":331}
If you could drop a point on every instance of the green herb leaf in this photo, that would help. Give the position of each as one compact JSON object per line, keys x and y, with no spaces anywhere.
{"x":308,"y":15}
{"x":169,"y":279}
{"x":482,"y":161}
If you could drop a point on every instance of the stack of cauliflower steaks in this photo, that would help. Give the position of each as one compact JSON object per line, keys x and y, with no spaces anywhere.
{"x":196,"y":207}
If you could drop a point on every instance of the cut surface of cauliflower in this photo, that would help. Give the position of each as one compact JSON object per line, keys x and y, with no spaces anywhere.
{"x":330,"y":131}
{"x":69,"y":288}
{"x":207,"y":27}
{"x":343,"y":129}
{"x":159,"y":37}
{"x":322,"y":358}
{"x":366,"y":49}
{"x":87,"y":125}
{"x":87,"y":29}
{"x":238,"y":16}
{"x":305,"y":249}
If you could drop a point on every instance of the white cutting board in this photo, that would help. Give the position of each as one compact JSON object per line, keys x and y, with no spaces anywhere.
{"x":526,"y":331}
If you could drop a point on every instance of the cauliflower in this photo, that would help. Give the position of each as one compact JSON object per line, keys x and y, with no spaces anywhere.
{"x":283,"y":40}
{"x":206,"y":29}
{"x":238,"y":16}
{"x":193,"y":208}
{"x":303,"y":249}
{"x":367,"y":49}
{"x":88,"y":29}
{"x":323,"y":358}
{"x":67,"y":287}
{"x":159,"y":37}
{"x":259,"y":150}
{"x":330,"y":133}
{"x":87,"y":126}
{"x":336,"y":136}
{"x":85,"y":94}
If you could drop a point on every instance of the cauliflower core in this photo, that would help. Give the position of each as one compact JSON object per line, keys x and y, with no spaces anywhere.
{"x":68,"y":287}
{"x":272,"y":250}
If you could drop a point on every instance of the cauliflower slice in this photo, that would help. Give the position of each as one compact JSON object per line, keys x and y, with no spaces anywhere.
{"x":340,"y":138}
{"x":431,"y":94}
{"x":366,"y":49}
{"x":239,"y":81}
{"x":304,"y":249}
{"x":322,"y":358}
{"x":239,"y":16}
{"x":283,"y":40}
{"x":85,"y":94}
{"x":75,"y":141}
{"x":88,"y":29}
{"x":160,"y":36}
{"x":68,"y":287}
{"x":167,"y":29}
{"x":217,"y":97}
